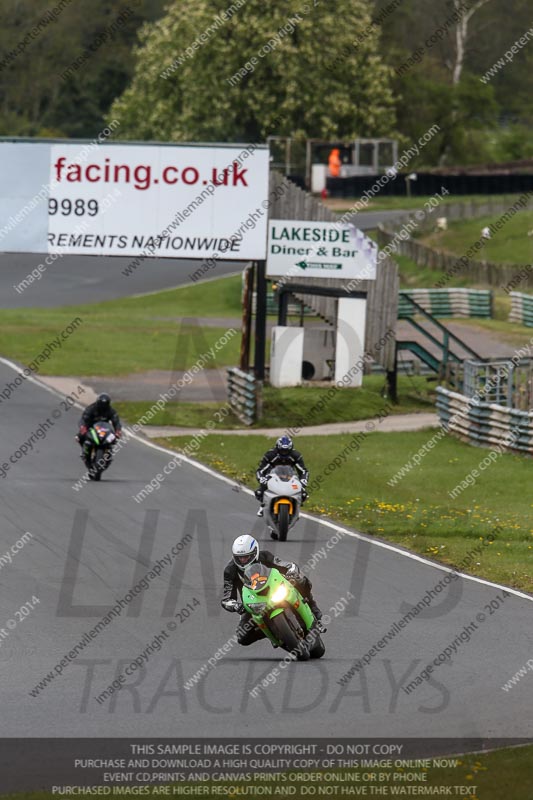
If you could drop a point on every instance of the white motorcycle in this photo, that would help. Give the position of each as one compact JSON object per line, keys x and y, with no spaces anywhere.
{"x":282,"y":499}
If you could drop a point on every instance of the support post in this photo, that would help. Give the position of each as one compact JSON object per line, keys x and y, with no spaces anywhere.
{"x":283,"y":307}
{"x":308,"y":164}
{"x":247,"y":295}
{"x":392,"y":382}
{"x":260,"y":320}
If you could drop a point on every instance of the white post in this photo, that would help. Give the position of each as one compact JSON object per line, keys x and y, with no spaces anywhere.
{"x":350,"y":345}
{"x":286,"y":356}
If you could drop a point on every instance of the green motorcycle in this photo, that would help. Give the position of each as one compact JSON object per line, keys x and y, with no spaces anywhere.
{"x":280,"y":611}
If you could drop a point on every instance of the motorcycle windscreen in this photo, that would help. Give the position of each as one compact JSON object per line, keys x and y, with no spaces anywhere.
{"x":102,"y":433}
{"x":103,"y":428}
{"x":256,"y":577}
{"x":284,"y":472}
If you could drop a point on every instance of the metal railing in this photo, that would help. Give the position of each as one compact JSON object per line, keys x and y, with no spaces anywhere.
{"x":502,"y":381}
{"x":448,"y":337}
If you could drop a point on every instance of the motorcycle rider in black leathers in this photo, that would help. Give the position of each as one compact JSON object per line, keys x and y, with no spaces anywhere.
{"x":245,"y":551}
{"x":282,"y":453}
{"x":99,"y":411}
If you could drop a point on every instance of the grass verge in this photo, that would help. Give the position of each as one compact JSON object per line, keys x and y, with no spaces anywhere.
{"x":130,"y":335}
{"x":417,"y":512}
{"x":285,"y":408}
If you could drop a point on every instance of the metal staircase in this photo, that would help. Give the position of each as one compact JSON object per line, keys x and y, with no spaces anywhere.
{"x":448,"y":352}
{"x":324,"y":307}
{"x":441,"y":351}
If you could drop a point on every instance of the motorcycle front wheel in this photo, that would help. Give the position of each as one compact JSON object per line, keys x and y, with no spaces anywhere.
{"x":286,"y":634}
{"x":318,"y":648}
{"x":283,"y":522}
{"x":99,"y":464}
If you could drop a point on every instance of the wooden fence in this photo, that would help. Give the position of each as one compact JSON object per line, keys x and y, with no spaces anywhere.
{"x":490,"y":273}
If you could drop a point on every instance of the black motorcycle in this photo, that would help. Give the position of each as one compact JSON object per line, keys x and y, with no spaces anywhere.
{"x":98,"y":448}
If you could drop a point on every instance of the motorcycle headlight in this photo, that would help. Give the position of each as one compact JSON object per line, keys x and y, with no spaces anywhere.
{"x":280,"y":593}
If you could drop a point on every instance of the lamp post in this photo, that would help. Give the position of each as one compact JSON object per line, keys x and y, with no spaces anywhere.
{"x":408,"y":178}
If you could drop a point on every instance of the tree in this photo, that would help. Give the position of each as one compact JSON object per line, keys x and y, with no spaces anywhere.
{"x":471,"y":38}
{"x":460,"y":40}
{"x":464,"y":114}
{"x":322,"y":77}
{"x":36,"y":99}
{"x":462,"y":35}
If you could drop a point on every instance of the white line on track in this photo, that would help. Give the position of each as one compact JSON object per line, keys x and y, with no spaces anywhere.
{"x":326,"y":523}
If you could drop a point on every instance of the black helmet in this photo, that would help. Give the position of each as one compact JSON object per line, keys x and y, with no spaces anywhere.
{"x":103,"y":402}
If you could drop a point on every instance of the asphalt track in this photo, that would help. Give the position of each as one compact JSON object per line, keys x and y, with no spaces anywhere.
{"x":74,"y":280}
{"x":86,"y":551}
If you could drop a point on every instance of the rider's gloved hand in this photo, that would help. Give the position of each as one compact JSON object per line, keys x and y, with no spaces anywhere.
{"x":233,"y":606}
{"x":118,"y":434}
{"x":303,"y":481}
{"x":293,"y":573}
{"x":263,"y":480}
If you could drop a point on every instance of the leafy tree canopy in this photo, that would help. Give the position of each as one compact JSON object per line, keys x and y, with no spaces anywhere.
{"x":313,"y":81}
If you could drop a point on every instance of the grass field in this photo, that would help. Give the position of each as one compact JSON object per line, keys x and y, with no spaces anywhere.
{"x":119,"y":337}
{"x":510,"y":244}
{"x":294,"y":407}
{"x":414,"y":276}
{"x":499,"y":775}
{"x":165,"y":330}
{"x":417,"y":512}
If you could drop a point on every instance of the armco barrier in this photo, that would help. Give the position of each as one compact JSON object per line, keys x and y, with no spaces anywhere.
{"x":243,"y":395}
{"x":485,"y":424}
{"x":448,"y":302}
{"x":521,"y":309}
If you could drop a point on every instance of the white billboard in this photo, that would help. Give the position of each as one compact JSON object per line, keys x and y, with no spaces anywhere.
{"x":176,"y":201}
{"x":319,"y":250}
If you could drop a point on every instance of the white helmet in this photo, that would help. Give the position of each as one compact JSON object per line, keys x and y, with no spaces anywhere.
{"x":245,"y":551}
